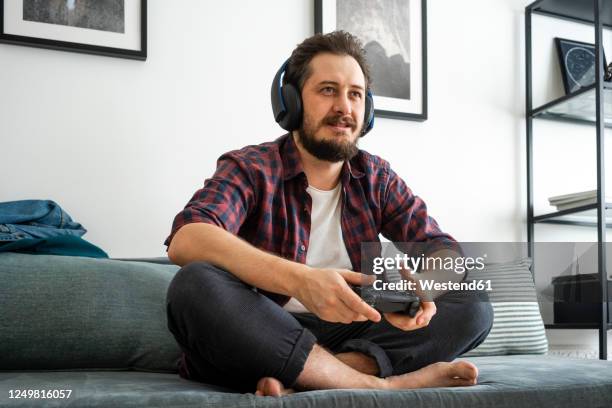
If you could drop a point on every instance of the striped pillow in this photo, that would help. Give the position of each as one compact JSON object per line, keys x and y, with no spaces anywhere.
{"x":517,"y":324}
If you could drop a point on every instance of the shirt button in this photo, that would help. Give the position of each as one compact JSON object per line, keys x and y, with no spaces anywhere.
{"x":303,"y":248}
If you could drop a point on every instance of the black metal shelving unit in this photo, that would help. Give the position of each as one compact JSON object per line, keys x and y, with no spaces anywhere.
{"x":590,"y":106}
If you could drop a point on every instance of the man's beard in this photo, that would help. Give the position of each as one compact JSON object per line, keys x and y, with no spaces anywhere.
{"x":329,"y":150}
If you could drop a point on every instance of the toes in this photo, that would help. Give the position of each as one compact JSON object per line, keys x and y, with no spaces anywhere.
{"x":464,"y":369}
{"x":462,"y":382}
{"x":260,"y":387}
{"x":269,"y":386}
{"x":273,"y":387}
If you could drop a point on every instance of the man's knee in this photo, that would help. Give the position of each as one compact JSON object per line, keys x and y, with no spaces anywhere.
{"x":477,"y":321}
{"x":197,"y":280}
{"x":197,"y":296}
{"x":481,"y":317}
{"x":462,"y":323}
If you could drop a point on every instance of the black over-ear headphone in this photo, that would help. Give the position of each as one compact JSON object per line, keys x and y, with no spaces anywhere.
{"x":287,"y":104}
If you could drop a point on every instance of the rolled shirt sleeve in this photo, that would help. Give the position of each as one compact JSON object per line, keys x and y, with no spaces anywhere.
{"x":405,"y":218}
{"x":224,"y":200}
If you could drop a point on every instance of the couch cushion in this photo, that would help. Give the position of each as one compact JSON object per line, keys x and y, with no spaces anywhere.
{"x":517,"y":323}
{"x":504,"y":382}
{"x":61,"y":312}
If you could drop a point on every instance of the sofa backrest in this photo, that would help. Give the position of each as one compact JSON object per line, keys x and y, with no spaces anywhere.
{"x":64,"y":313}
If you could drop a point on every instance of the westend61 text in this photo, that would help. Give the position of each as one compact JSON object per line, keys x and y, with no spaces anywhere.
{"x":430,"y":284}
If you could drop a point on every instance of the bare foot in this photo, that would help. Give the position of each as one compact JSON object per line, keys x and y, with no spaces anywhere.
{"x":270,"y":386}
{"x":455,"y":374}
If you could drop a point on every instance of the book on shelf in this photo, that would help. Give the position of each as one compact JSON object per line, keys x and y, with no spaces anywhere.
{"x":567,"y":198}
{"x":575,"y":200}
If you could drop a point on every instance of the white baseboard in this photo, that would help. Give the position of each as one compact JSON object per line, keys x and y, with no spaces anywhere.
{"x":575,"y":352}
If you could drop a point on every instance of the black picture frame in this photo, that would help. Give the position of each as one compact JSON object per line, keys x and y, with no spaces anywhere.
{"x":415,"y":106}
{"x":577,"y":63}
{"x":76,"y":46}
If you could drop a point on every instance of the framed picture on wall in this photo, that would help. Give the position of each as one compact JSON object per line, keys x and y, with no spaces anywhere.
{"x":114,"y":28}
{"x":394,"y":35}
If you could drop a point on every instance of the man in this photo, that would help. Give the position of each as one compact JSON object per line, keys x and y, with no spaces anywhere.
{"x":285,"y":220}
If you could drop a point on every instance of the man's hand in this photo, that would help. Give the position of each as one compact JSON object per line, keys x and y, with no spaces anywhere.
{"x":407,"y":323}
{"x":426,"y":312}
{"x":326,"y":293}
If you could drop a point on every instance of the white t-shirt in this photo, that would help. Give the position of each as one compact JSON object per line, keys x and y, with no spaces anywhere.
{"x":326,"y":247}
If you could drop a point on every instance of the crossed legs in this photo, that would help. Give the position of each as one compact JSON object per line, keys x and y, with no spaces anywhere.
{"x":233,"y":336}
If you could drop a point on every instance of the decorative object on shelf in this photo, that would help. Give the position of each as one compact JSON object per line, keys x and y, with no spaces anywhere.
{"x":608,"y":75}
{"x":394,"y":34}
{"x":577,"y":62}
{"x":114,"y":28}
{"x":578,"y":298}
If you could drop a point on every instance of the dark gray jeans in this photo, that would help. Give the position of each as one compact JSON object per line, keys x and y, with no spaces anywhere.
{"x":231,"y":335}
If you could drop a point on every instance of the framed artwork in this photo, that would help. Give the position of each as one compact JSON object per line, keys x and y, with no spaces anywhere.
{"x":114,"y":28}
{"x":394,"y":35}
{"x":577,"y":62}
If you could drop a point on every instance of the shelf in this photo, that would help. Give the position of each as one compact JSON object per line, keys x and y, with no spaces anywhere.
{"x":577,"y":107}
{"x":580,"y":107}
{"x":585,"y":215}
{"x":574,"y":10}
{"x":593,"y":326}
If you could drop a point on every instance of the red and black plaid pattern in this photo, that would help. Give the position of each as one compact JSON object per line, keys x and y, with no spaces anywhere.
{"x":259,"y":193}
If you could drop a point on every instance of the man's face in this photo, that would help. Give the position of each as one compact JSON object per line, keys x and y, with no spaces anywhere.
{"x":333,"y":99}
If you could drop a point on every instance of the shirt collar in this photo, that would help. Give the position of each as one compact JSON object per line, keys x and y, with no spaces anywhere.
{"x":292,"y":162}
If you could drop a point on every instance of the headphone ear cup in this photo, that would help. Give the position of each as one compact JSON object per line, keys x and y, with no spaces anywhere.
{"x":286,"y":101}
{"x":293,"y":107}
{"x":368,"y":119}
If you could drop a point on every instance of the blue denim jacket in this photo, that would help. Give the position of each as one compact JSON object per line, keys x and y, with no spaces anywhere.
{"x":35,"y":219}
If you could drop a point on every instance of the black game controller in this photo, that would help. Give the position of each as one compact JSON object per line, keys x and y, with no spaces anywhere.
{"x":389,"y":301}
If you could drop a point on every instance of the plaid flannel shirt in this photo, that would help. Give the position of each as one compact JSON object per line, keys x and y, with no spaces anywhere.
{"x":259,"y":194}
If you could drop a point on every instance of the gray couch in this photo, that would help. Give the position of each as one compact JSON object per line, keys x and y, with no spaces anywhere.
{"x":97,"y":327}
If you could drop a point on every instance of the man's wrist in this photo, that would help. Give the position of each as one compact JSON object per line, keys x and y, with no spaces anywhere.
{"x":293,"y":275}
{"x":297,"y":275}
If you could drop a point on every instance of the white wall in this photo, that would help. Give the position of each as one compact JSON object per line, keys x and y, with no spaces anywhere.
{"x":122,"y":145}
{"x":465,"y":161}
